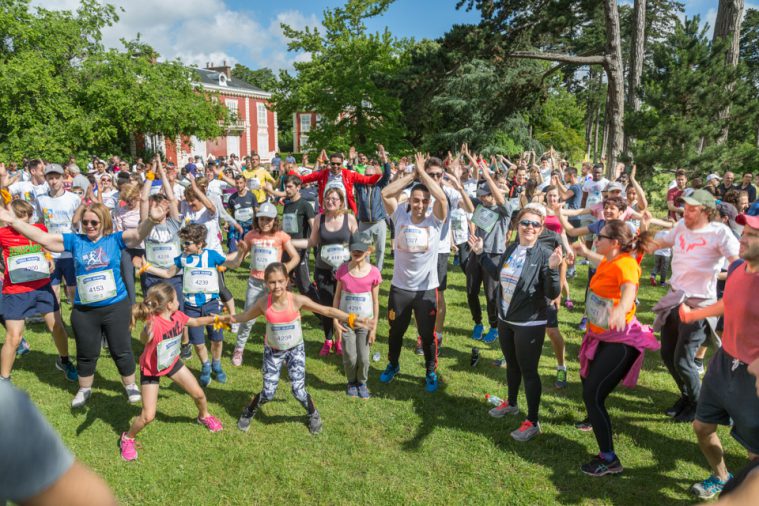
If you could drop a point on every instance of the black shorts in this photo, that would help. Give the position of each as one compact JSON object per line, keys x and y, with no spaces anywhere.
{"x":18,"y":306}
{"x":442,"y":271}
{"x":552,"y":315}
{"x":729,"y":393}
{"x":224,"y":294}
{"x":154,"y":380}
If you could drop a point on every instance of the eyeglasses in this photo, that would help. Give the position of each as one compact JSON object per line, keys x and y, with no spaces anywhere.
{"x":528,"y":223}
{"x":188,"y":243}
{"x":90,"y":223}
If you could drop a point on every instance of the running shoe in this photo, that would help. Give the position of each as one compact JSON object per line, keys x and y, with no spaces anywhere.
{"x":23,"y":348}
{"x":418,"y":348}
{"x":218,"y":373}
{"x":237,"y":357}
{"x":678,"y":406}
{"x":234,"y":327}
{"x":315,"y":423}
{"x":584,"y":425}
{"x":600,"y":467}
{"x":710,"y":487}
{"x":326,"y":348}
{"x":503,"y":409}
{"x":526,"y":431}
{"x":569,"y":304}
{"x":185,"y":351}
{"x":133,"y":394}
{"x":243,"y":423}
{"x":205,"y":375}
{"x":584,"y":262}
{"x":211,"y":422}
{"x":339,"y":347}
{"x":389,"y":373}
{"x":431,"y":382}
{"x":127,"y":448}
{"x":687,"y":415}
{"x":501,"y":362}
{"x":351,"y":390}
{"x":363,"y":391}
{"x":69,"y":369}
{"x":583,"y":326}
{"x":491,"y":336}
{"x":477,"y":332}
{"x":561,"y":378}
{"x":81,"y":398}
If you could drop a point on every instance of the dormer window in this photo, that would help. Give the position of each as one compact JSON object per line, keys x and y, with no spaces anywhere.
{"x":222,"y":80}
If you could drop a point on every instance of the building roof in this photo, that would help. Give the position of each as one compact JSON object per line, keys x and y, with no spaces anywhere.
{"x":208,"y":77}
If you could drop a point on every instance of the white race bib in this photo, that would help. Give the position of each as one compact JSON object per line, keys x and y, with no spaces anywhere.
{"x":515,"y":203}
{"x":284,"y":336}
{"x":459,"y":226}
{"x":167,"y":350}
{"x":598,"y":310}
{"x":484,"y":218}
{"x":254,"y":184}
{"x":200,"y":280}
{"x":335,"y":254}
{"x":263,"y":256}
{"x":290,"y":223}
{"x":244,"y":214}
{"x":162,"y":254}
{"x":96,"y":286}
{"x":28,"y":267}
{"x":413,"y":239}
{"x":359,"y":303}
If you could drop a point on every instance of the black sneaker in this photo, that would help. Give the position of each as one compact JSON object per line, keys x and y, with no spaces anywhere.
{"x":677,"y":406}
{"x":186,"y":351}
{"x":687,"y":414}
{"x":315,"y":423}
{"x":584,"y":425}
{"x":243,"y":423}
{"x":599,"y":467}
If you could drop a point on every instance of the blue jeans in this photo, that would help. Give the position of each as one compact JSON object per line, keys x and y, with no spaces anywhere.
{"x":233,"y":235}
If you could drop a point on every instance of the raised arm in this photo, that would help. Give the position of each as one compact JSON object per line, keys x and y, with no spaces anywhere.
{"x":202,"y":196}
{"x":640,"y":194}
{"x":440,"y":208}
{"x":498,"y":197}
{"x":51,"y":242}
{"x":390,"y":192}
{"x":133,"y":237}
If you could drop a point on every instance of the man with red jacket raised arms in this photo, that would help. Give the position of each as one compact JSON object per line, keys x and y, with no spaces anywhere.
{"x":338,"y":177}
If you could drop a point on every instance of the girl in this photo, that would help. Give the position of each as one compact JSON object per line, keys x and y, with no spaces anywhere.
{"x":161,"y":335}
{"x":357,"y":291}
{"x":284,"y":342}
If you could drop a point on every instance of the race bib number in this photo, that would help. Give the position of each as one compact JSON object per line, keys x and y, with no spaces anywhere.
{"x":95,"y":287}
{"x":200,"y":280}
{"x":335,"y":254}
{"x":598,"y":310}
{"x":254,"y":184}
{"x":284,"y":336}
{"x":263,"y":256}
{"x":244,"y":214}
{"x":161,"y":254}
{"x":413,"y":239}
{"x":484,"y":218}
{"x":167,"y":351}
{"x":515,"y":204}
{"x":459,"y":226}
{"x":359,"y":303}
{"x":28,"y":267}
{"x":290,"y":223}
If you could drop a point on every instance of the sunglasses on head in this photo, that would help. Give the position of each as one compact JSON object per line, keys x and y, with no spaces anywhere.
{"x":529,"y":223}
{"x":90,"y":223}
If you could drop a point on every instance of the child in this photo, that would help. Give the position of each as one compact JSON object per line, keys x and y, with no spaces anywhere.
{"x":200,"y":287}
{"x":284,"y":342}
{"x":357,"y":292}
{"x":662,"y":259}
{"x":162,"y":334}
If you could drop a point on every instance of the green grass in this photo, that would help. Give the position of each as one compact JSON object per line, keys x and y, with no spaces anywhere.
{"x":403,"y":446}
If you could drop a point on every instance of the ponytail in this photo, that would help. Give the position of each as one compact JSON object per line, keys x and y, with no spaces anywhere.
{"x":156,"y":301}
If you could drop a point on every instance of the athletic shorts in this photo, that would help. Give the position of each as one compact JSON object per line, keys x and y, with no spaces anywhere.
{"x":154,"y":380}
{"x":728,"y":393}
{"x":224,"y":294}
{"x":552,"y":315}
{"x":17,"y":306}
{"x":64,"y":269}
{"x":442,"y":271}
{"x":211,"y":307}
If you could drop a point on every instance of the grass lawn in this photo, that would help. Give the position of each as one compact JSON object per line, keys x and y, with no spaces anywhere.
{"x":403,"y":446}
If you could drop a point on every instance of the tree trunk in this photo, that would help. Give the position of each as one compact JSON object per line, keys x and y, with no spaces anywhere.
{"x":728,"y":26}
{"x":637,"y":54}
{"x":598,"y":128}
{"x":616,"y":83}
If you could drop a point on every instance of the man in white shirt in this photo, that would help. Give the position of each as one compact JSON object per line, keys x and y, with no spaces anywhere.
{"x":30,"y":190}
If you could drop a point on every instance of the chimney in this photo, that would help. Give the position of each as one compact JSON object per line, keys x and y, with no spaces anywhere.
{"x":224,"y":68}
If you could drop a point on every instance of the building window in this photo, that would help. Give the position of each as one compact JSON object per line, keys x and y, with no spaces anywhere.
{"x":222,"y":80}
{"x":305,"y":122}
{"x":263,"y":118}
{"x":232,"y":108}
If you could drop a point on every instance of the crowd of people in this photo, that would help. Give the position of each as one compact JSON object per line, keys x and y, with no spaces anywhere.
{"x":517,"y":229}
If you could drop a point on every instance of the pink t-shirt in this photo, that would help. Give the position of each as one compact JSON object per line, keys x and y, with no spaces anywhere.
{"x":265,"y":249}
{"x":553,"y":224}
{"x":162,"y":352}
{"x":353,"y":284}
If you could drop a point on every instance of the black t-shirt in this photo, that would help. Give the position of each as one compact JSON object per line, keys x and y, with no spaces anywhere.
{"x":295,"y":218}
{"x":241,"y":207}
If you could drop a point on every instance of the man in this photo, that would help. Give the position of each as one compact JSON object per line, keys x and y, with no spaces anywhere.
{"x":699,"y":245}
{"x":338,"y":177}
{"x":28,"y":190}
{"x":747,"y":187}
{"x":571,"y":193}
{"x":414,"y":283}
{"x":78,"y":179}
{"x":371,"y":212}
{"x":675,"y":193}
{"x":242,"y":205}
{"x":592,"y":189}
{"x":728,"y":395}
{"x":276,"y":163}
{"x":99,"y":170}
{"x":297,"y":221}
{"x":257,"y":177}
{"x":744,"y":201}
{"x":712,"y":182}
{"x":727,"y":184}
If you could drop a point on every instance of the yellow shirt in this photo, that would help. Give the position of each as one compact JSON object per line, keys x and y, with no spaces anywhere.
{"x":262,"y":175}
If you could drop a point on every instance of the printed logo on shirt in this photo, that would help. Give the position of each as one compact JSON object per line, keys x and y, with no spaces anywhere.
{"x":690,"y":247}
{"x":95,"y":259}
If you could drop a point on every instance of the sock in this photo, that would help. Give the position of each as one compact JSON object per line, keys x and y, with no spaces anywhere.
{"x":131,"y":386}
{"x":64,"y":360}
{"x":85,"y":389}
{"x":561,"y":368}
{"x":608,"y":456}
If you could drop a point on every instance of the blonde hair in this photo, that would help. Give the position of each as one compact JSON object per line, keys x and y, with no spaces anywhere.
{"x":103,"y":214}
{"x":129,"y":192}
{"x":22,"y":208}
{"x":156,"y":301}
{"x":343,"y":204}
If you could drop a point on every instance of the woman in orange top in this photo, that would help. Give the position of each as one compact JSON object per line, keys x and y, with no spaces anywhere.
{"x":612,"y":349}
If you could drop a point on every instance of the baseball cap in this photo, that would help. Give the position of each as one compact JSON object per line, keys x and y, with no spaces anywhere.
{"x":266,"y":210}
{"x":713,"y":176}
{"x":615,"y":187}
{"x":360,"y":242}
{"x":483,"y":189}
{"x":53,"y":168}
{"x":750,"y":217}
{"x":701,"y":198}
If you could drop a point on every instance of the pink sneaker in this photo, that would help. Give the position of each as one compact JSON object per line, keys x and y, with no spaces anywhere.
{"x":237,"y":357}
{"x":127,"y":446}
{"x":211,"y":422}
{"x":339,"y":347}
{"x":326,"y":348}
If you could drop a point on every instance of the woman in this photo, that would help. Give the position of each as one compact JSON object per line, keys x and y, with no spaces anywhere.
{"x":107,"y":194}
{"x":612,"y":349}
{"x":101,"y":306}
{"x":126,"y":217}
{"x":528,"y":275}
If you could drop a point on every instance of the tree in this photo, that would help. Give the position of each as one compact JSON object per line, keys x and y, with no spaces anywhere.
{"x":749,"y":55}
{"x":637,"y":54}
{"x":727,"y":34}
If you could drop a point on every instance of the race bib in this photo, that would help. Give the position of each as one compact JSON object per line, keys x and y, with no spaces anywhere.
{"x":290,"y":223}
{"x":459,"y":227}
{"x":484,"y":218}
{"x":413,"y":239}
{"x":161,"y":254}
{"x":96,"y":286}
{"x":55,"y":227}
{"x":28,"y":267}
{"x":515,"y":204}
{"x":167,"y":351}
{"x":200,"y":280}
{"x":284,"y":336}
{"x":244,"y":214}
{"x":254,"y":184}
{"x":359,"y":303}
{"x":598,"y":310}
{"x":334,"y":254}
{"x":263,"y":256}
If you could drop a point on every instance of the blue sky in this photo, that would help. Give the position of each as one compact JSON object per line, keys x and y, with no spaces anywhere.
{"x":248,"y":32}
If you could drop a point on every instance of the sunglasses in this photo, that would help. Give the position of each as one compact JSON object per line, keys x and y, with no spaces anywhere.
{"x":334,"y":164}
{"x":188,"y":243}
{"x":436,"y":175}
{"x":528,"y":223}
{"x":604,"y":236}
{"x":90,"y":223}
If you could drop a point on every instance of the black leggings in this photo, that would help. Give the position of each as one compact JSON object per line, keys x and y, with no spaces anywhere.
{"x":91,"y":324}
{"x":610,"y":365}
{"x":127,"y":270}
{"x":301,"y":277}
{"x":476,"y":275}
{"x":522,"y":347}
{"x":399,"y":307}
{"x":325,"y":286}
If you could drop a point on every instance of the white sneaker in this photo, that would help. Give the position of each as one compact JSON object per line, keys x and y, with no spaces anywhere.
{"x":237,"y":357}
{"x":503,"y":409}
{"x":234,"y":327}
{"x":133,"y":394}
{"x":81,"y":398}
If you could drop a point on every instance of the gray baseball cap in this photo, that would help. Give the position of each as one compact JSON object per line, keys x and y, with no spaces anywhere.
{"x":266,"y":210}
{"x":53,"y":168}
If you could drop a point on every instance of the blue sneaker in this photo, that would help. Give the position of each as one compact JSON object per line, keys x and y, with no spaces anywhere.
{"x":710,"y":487}
{"x":491,"y":336}
{"x":218,"y":373}
{"x":351,"y":390}
{"x":205,"y":375}
{"x":389,"y":373}
{"x":69,"y":369}
{"x":23,"y":348}
{"x":583,"y":326}
{"x":477,"y":332}
{"x":363,"y":391}
{"x":432,"y":382}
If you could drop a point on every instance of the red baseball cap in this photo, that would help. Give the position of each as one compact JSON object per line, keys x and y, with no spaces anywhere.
{"x":750,"y":217}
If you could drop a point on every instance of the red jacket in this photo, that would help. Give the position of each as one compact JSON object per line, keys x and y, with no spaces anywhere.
{"x":349,"y":179}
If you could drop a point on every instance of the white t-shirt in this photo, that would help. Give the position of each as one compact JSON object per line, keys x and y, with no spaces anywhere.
{"x":207,"y":218}
{"x":416,"y":251}
{"x":509,"y":276}
{"x":178,"y":191}
{"x":58,"y":214}
{"x":216,"y":187}
{"x":697,"y":257}
{"x":111,"y":199}
{"x":28,"y":191}
{"x":594,"y":189}
{"x":454,"y":201}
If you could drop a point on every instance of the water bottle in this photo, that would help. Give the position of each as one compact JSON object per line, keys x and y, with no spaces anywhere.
{"x":494,"y":400}
{"x":377,"y":356}
{"x":475,"y":357}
